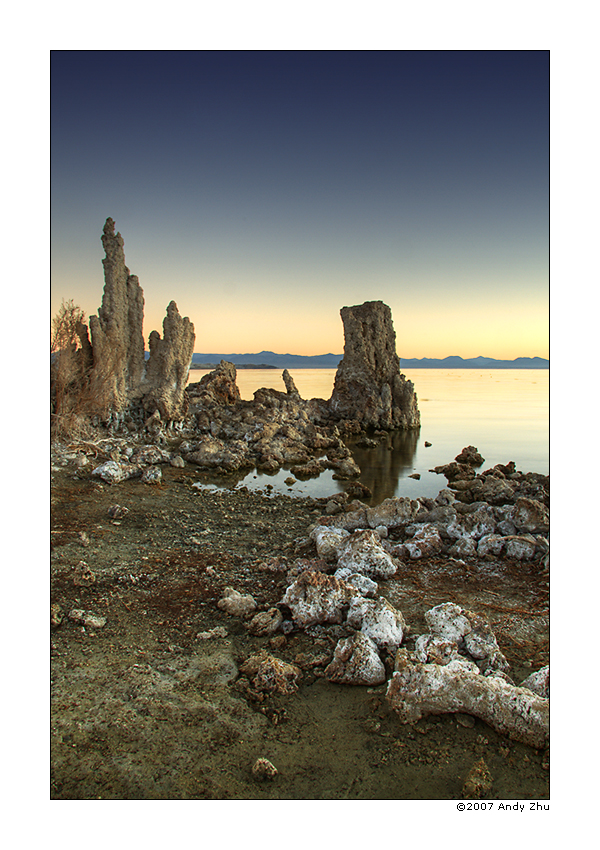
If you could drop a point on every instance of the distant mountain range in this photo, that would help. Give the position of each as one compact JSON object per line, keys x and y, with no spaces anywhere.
{"x":331,"y":361}
{"x":475,"y":363}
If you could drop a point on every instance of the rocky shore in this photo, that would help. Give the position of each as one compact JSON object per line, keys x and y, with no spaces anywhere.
{"x":196,"y":631}
{"x":216,"y":642}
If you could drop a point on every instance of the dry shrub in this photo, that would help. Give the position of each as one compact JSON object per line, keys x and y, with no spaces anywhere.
{"x":70,"y":365}
{"x":82,"y":386}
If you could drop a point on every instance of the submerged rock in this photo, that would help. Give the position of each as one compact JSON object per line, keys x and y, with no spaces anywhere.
{"x":471,"y":456}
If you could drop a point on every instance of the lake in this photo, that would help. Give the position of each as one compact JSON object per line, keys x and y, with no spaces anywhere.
{"x":503,"y":412}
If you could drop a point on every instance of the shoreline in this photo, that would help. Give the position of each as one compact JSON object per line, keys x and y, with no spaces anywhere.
{"x":147,"y":707}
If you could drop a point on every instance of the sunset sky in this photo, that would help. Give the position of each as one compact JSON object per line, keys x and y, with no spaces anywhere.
{"x":264,"y":190}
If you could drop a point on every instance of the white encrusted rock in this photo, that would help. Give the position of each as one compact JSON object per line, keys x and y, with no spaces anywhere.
{"x":436,"y":649}
{"x":530,"y":515}
{"x":270,"y":674}
{"x":393,"y":512}
{"x":539,"y":682}
{"x":426,"y":541}
{"x":448,"y":621}
{"x":470,"y":632}
{"x":445,"y":497}
{"x":266,"y":623}
{"x":464,"y":547}
{"x":94,"y":621}
{"x":490,"y":544}
{"x":417,"y":690}
{"x":356,"y":661}
{"x":328,"y":540}
{"x":87,"y":618}
{"x":152,"y":475}
{"x":379,"y":620}
{"x":149,"y":455}
{"x":364,"y":585}
{"x":216,"y":632}
{"x":362,"y":552}
{"x":315,"y":597}
{"x":113,"y":472}
{"x":264,"y":769}
{"x":520,"y":547}
{"x":481,"y":644}
{"x":475,"y":524}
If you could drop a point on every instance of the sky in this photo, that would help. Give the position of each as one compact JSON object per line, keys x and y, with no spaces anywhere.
{"x":262,"y":191}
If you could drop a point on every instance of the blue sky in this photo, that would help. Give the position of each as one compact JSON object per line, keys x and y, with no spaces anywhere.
{"x":264,"y":190}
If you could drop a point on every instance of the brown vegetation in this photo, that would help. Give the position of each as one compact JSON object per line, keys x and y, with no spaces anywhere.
{"x":70,"y":363}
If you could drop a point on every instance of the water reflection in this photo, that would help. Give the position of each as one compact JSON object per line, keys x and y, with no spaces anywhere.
{"x":504,"y":413}
{"x":384,"y":465}
{"x":274,"y":483}
{"x":382,"y":468}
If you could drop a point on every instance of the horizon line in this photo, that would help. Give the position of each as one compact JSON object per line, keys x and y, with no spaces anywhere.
{"x":333,"y":354}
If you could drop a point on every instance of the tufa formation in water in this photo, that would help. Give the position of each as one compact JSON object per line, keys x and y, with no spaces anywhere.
{"x":368,"y":384}
{"x":127,"y":393}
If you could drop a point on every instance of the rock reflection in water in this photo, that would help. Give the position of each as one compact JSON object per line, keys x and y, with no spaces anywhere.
{"x":384,"y":465}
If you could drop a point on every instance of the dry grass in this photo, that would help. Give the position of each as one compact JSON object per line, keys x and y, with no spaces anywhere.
{"x":68,"y":371}
{"x":80,"y":387}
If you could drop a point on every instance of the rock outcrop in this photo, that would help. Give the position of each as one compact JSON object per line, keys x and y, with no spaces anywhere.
{"x":219,"y":387}
{"x":117,"y":335}
{"x":168,"y":365}
{"x":368,"y":385}
{"x":120,"y":377}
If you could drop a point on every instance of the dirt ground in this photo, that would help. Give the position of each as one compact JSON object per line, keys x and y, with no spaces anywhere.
{"x":143,"y":708}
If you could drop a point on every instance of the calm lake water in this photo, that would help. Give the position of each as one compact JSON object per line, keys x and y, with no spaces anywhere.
{"x":503,"y":412}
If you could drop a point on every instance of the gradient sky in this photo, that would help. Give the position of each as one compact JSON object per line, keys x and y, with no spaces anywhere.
{"x":264,"y":190}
